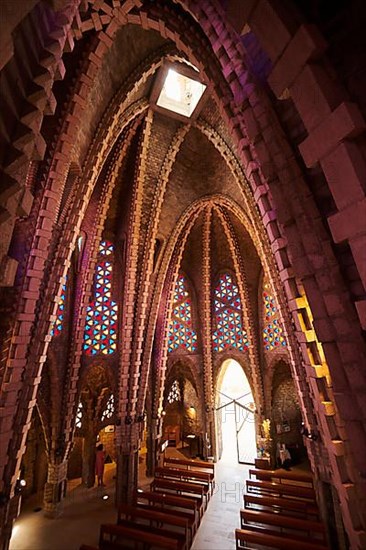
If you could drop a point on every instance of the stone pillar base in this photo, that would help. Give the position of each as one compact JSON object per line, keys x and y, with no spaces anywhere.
{"x":55,"y":490}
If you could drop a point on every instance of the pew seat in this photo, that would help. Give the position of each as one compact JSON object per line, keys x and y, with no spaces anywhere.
{"x":186,"y":507}
{"x":180,"y":487}
{"x":187,"y":475}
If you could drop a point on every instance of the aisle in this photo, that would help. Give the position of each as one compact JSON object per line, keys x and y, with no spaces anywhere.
{"x":217,"y":529}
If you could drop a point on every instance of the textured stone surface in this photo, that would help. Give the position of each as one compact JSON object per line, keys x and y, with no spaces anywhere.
{"x":227,"y":193}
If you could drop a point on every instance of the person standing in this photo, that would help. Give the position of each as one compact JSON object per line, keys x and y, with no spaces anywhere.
{"x":99,"y":464}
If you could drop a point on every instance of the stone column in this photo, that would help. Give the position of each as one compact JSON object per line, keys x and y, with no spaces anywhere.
{"x":127,"y":438}
{"x":88,"y":468}
{"x":9,"y":511}
{"x":211,"y":434}
{"x":152,"y":455}
{"x":55,"y":489}
{"x":127,"y":475}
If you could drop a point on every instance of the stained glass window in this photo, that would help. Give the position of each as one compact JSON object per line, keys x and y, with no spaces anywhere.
{"x":181,"y":333}
{"x":101,"y":315}
{"x":60,"y":315}
{"x":174,"y":394}
{"x":109,"y":409}
{"x":79,"y":416}
{"x":272,"y":330}
{"x":229,"y":332}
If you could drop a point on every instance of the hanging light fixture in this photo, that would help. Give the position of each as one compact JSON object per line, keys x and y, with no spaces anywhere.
{"x":178,"y":91}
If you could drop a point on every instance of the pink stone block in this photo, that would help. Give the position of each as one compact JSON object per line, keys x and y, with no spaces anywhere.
{"x":358,"y":247}
{"x":307,"y":44}
{"x":345,"y":170}
{"x":315,"y":95}
{"x":361,"y":310}
{"x":345,"y":122}
{"x":271,"y":28}
{"x":349,"y":223}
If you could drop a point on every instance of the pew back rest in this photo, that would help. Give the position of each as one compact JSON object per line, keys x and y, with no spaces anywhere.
{"x":169,"y":499}
{"x":268,"y":518}
{"x":110,"y":533}
{"x":182,"y":473}
{"x":193,"y":464}
{"x":183,"y":486}
{"x":243,"y":536}
{"x":281,"y":475}
{"x":153,"y":515}
{"x":298,"y":506}
{"x":280,"y":488}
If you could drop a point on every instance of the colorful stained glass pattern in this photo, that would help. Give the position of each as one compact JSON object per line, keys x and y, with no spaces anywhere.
{"x":181,"y":333}
{"x":106,"y":248}
{"x":58,"y":324}
{"x":109,"y":409}
{"x":229,"y":332}
{"x":272,"y":332}
{"x":174,"y":394}
{"x":101,"y":315}
{"x":79,"y":416}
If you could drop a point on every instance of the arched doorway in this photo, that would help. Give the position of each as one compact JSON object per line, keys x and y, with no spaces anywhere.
{"x":235,"y":415}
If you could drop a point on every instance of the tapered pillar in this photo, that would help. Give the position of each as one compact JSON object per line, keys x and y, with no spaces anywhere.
{"x":89,"y":454}
{"x":127,"y":475}
{"x":127,"y":439}
{"x":55,"y":489}
{"x":152,"y":456}
{"x":9,"y":511}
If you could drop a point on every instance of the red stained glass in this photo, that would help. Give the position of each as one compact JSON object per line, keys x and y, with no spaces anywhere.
{"x":100,"y":334}
{"x":181,"y":334}
{"x":229,"y":332}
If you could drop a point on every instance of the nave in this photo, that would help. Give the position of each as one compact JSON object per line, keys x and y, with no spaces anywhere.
{"x":86,"y":509}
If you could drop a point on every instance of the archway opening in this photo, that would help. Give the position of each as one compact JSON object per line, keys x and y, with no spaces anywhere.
{"x":235,"y":415}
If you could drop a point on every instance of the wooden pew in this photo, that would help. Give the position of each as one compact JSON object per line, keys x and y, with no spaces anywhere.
{"x":281,"y":489}
{"x":186,"y":507}
{"x":245,"y":537}
{"x":187,"y":475}
{"x":190,"y":464}
{"x":113,"y":537}
{"x":180,"y":487}
{"x":281,"y":476}
{"x":153,"y":516}
{"x":284,"y":505}
{"x":283,"y":522}
{"x":137,"y":523}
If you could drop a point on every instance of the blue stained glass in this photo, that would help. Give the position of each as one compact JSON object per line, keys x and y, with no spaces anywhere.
{"x":229,"y":332}
{"x":181,"y":334}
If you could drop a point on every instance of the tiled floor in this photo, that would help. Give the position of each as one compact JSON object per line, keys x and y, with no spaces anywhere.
{"x":218,"y":525}
{"x":84,"y":510}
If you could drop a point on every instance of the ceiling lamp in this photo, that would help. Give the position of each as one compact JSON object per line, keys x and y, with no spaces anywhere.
{"x":178,"y":91}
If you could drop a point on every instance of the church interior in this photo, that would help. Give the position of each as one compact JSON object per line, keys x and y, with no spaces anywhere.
{"x":183,"y":272}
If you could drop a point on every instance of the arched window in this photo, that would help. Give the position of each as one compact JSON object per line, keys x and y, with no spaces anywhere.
{"x":181,"y":333}
{"x":60,"y":315}
{"x":101,"y":315}
{"x":272,"y":329}
{"x":109,"y":409}
{"x":174,"y":394}
{"x":229,"y":332}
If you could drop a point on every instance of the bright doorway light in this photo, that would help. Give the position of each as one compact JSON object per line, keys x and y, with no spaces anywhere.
{"x":235,"y":414}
